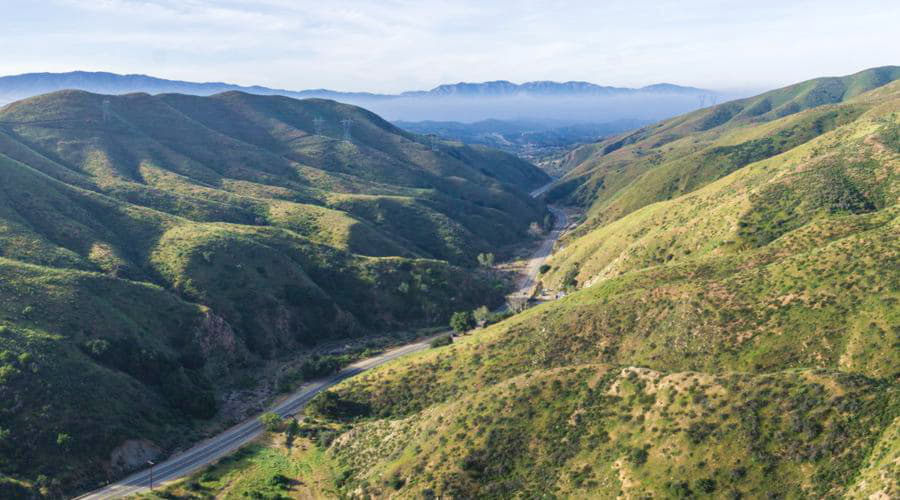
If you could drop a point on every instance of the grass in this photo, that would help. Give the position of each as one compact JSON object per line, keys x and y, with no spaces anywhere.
{"x":265,"y":469}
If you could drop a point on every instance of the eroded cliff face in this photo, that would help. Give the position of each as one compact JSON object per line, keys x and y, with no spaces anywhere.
{"x":218,"y":343}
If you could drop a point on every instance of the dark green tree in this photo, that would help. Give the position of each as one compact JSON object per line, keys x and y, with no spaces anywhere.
{"x":462,"y":321}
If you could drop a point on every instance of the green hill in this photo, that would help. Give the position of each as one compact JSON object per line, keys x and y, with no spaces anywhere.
{"x":154,"y":250}
{"x":736,"y":338}
{"x":659,"y":162}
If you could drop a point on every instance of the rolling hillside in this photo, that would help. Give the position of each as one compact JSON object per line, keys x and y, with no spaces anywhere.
{"x":155,"y":248}
{"x":662,"y":161}
{"x":739,"y":340}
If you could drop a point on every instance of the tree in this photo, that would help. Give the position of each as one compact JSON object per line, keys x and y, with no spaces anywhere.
{"x":63,"y":440}
{"x":534,"y":230}
{"x":292,"y":430}
{"x":481,"y":315}
{"x":486,"y":259}
{"x":462,"y":321}
{"x":271,"y":421}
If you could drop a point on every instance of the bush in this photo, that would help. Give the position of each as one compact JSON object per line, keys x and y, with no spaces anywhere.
{"x":486,"y":259}
{"x":638,"y":456}
{"x":271,"y":421}
{"x":330,"y":405}
{"x":706,"y":485}
{"x":442,"y":341}
{"x":396,"y":482}
{"x":544,"y":268}
{"x":481,"y":314}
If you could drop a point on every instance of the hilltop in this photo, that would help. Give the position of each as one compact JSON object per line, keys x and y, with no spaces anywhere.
{"x":157,"y":251}
{"x":734,"y":336}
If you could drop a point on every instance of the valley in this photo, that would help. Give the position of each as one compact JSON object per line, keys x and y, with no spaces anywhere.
{"x":213,"y":449}
{"x":722,"y":317}
{"x":730,"y":330}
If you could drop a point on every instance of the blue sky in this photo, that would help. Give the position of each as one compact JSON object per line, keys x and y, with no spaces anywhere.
{"x":393,"y":45}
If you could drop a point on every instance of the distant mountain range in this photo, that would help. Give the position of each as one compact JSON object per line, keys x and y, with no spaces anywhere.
{"x":17,"y":87}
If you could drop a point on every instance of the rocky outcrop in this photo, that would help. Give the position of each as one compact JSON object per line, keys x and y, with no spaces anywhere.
{"x":218,"y":343}
{"x":133,"y":454}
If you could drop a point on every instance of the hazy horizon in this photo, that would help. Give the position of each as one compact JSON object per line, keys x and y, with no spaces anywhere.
{"x":399,"y":45}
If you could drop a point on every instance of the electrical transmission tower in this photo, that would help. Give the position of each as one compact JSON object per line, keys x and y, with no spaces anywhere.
{"x":317,"y":123}
{"x":702,"y":99}
{"x":346,"y":122}
{"x":106,"y":110}
{"x":713,"y":99}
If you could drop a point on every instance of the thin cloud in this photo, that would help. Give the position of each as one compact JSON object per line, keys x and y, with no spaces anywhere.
{"x":395,"y":45}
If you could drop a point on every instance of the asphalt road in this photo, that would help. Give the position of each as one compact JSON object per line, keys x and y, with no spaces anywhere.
{"x":537,"y":259}
{"x":230,"y":440}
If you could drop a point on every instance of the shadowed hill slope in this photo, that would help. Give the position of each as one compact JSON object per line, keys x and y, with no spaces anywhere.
{"x":154,"y":248}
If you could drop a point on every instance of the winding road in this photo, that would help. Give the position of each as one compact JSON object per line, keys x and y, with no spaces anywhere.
{"x":207,"y":452}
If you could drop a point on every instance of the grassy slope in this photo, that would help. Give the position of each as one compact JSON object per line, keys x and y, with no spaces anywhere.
{"x":662,"y":161}
{"x":156,"y":253}
{"x":775,"y":317}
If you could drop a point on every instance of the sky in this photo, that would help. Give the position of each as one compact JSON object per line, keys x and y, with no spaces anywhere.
{"x":395,"y":45}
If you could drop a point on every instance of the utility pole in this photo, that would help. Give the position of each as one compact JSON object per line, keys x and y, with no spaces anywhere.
{"x":151,"y":473}
{"x":317,"y":122}
{"x":346,"y":122}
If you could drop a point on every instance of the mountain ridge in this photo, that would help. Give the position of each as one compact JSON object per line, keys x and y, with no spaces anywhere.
{"x":15,"y":87}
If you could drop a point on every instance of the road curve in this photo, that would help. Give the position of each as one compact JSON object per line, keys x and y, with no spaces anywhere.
{"x":230,"y":440}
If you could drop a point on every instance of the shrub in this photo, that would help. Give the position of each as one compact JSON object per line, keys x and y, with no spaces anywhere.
{"x":544,"y":268}
{"x":396,"y":482}
{"x":442,"y":341}
{"x":638,"y":456}
{"x":486,"y":259}
{"x":706,"y":485}
{"x":481,"y":314}
{"x":330,"y":405}
{"x":271,"y":421}
{"x":63,"y":440}
{"x":570,"y":281}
